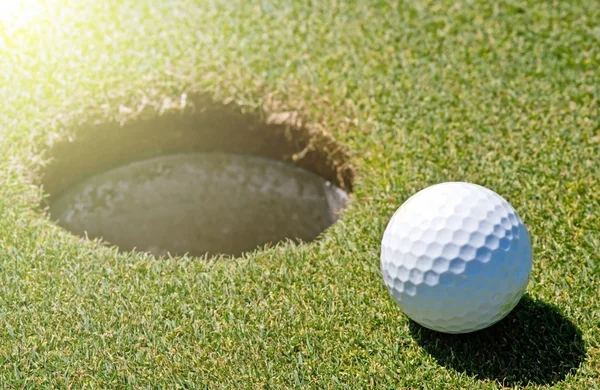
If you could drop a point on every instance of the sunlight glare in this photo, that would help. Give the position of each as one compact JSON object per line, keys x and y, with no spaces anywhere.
{"x":17,"y":14}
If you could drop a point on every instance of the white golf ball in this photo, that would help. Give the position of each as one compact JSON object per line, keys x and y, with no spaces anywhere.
{"x":456,"y":257}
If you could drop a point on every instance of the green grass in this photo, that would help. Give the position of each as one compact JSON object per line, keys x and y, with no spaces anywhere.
{"x":505,"y":94}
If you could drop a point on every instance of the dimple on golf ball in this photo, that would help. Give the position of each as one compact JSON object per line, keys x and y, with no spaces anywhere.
{"x":456,"y":257}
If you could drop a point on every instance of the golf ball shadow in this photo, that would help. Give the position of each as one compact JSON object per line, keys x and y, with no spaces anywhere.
{"x":535,"y":344}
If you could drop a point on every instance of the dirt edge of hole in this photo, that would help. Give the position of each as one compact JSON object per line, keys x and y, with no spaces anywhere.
{"x":192,"y":123}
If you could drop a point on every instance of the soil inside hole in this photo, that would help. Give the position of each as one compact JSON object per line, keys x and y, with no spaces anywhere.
{"x":205,"y":179}
{"x":200,"y":204}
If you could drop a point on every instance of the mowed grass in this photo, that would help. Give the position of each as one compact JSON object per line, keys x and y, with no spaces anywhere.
{"x":505,"y":94}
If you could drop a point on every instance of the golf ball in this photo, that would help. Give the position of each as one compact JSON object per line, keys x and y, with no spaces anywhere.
{"x":456,"y":257}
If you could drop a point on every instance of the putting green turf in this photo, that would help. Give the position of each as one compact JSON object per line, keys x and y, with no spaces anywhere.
{"x":505,"y":94}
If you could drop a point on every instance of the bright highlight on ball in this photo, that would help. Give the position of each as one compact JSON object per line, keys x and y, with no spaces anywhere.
{"x":456,"y":257}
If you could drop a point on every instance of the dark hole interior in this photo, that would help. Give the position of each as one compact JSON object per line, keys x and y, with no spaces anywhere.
{"x":202,"y":181}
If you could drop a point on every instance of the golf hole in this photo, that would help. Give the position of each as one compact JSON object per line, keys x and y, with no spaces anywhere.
{"x":197,"y":179}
